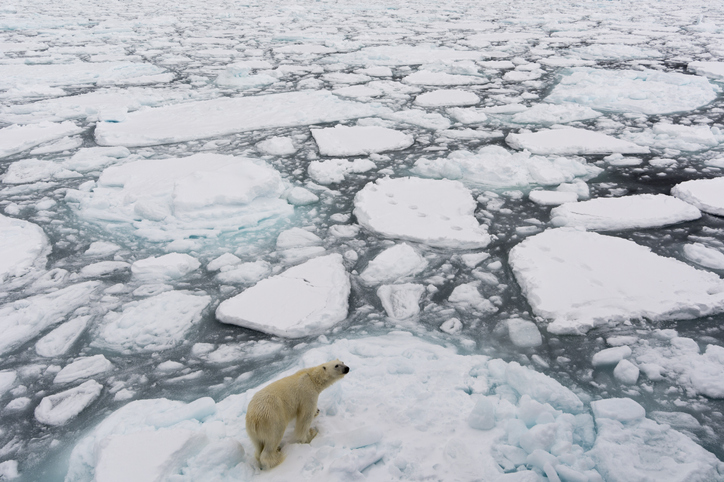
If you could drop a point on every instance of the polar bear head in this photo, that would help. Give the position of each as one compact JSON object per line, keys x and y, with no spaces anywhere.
{"x":335,"y":368}
{"x":328,"y":373}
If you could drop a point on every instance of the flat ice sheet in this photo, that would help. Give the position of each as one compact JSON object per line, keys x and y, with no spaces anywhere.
{"x":642,"y":91}
{"x":315,"y":297}
{"x":166,"y":199}
{"x":628,"y":212}
{"x":705,"y":194}
{"x":359,"y":140}
{"x":571,"y":141}
{"x":434,"y":212}
{"x":16,"y":138}
{"x":580,"y":280}
{"x":199,"y":120}
{"x":712,"y":70}
{"x":402,"y":55}
{"x":100,"y":73}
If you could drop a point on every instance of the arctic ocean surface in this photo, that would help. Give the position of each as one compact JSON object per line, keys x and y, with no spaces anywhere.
{"x":504,"y":217}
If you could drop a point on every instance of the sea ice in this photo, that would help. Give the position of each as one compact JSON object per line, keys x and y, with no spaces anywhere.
{"x":60,"y":408}
{"x":79,"y":73}
{"x":468,"y":297}
{"x":19,"y":138}
{"x":705,"y":194}
{"x":426,"y":77}
{"x":438,"y":213}
{"x":391,"y":55}
{"x":627,"y":212}
{"x":712,"y":70}
{"x":315,"y":296}
{"x":494,"y":167}
{"x":401,"y":301}
{"x":444,"y":98}
{"x":572,"y":141}
{"x":467,"y":411}
{"x":580,"y":280}
{"x":523,"y":333}
{"x":333,"y":171}
{"x":641,"y":91}
{"x":680,"y":137}
{"x":610,"y":356}
{"x":277,"y":146}
{"x":23,"y":247}
{"x":399,"y":261}
{"x":83,"y":368}
{"x":23,"y":320}
{"x":200,"y":120}
{"x":548,"y":114}
{"x":151,"y":325}
{"x":704,"y":256}
{"x":359,"y":140}
{"x":552,"y":198}
{"x":245,"y":273}
{"x":626,"y":372}
{"x":164,"y":268}
{"x":166,"y":199}
{"x":61,"y":339}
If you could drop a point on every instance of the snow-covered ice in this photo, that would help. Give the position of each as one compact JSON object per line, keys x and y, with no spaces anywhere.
{"x":572,"y":141}
{"x":627,"y":212}
{"x":359,"y":140}
{"x":434,"y":212}
{"x":315,"y":298}
{"x":705,"y":194}
{"x":580,"y":280}
{"x":344,"y":167}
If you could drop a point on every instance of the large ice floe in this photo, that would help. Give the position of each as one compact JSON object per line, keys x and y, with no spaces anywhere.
{"x":706,"y":194}
{"x":434,"y":212}
{"x":571,"y":141}
{"x":305,"y":300}
{"x":643,"y":91}
{"x":579,"y":280}
{"x":627,"y":212}
{"x":495,"y":167}
{"x":359,"y":140}
{"x":166,"y":199}
{"x":484,"y":416}
{"x":202,"y":119}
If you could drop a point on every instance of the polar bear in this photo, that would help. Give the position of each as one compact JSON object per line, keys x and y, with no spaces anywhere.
{"x":277,"y":404}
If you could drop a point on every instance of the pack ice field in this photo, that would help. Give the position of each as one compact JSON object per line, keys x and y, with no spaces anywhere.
{"x":506,"y":218}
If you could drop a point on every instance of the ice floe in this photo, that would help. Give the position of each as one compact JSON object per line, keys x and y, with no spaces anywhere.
{"x":83,"y":368}
{"x":704,"y":255}
{"x":705,"y":194}
{"x":23,"y":320}
{"x":401,"y":301}
{"x":79,"y":73}
{"x":712,"y":70}
{"x":315,"y":298}
{"x":572,"y":141}
{"x":445,"y":98}
{"x":627,"y":212}
{"x":434,"y":212}
{"x":333,"y":171}
{"x":164,"y":268}
{"x":62,"y":338}
{"x":679,"y":137}
{"x":359,"y":140}
{"x":399,"y":261}
{"x":200,"y":120}
{"x":580,"y":280}
{"x":19,"y":138}
{"x":154,"y":324}
{"x":167,"y":199}
{"x":495,"y":167}
{"x":24,"y":246}
{"x":645,"y":91}
{"x":60,"y":408}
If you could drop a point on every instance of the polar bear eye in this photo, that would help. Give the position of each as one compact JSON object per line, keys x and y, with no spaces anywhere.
{"x":324,"y":368}
{"x":336,"y":366}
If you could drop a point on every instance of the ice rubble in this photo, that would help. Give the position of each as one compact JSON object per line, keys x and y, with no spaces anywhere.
{"x":23,"y":320}
{"x":23,"y":246}
{"x":627,"y":212}
{"x":645,"y":91}
{"x":166,"y":199}
{"x":483,"y":417}
{"x":580,"y":280}
{"x":401,"y":301}
{"x":495,"y":167}
{"x":572,"y":141}
{"x":153,"y":324}
{"x":201,"y":119}
{"x":438,"y":213}
{"x":19,"y":138}
{"x":333,"y":171}
{"x":359,"y":140}
{"x":305,"y":300}
{"x":705,"y":194}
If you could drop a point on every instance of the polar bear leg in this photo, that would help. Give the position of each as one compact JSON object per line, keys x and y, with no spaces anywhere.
{"x":302,"y":432}
{"x":271,"y":453}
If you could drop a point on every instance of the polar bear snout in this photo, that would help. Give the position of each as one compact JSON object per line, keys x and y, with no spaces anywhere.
{"x":346,"y":370}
